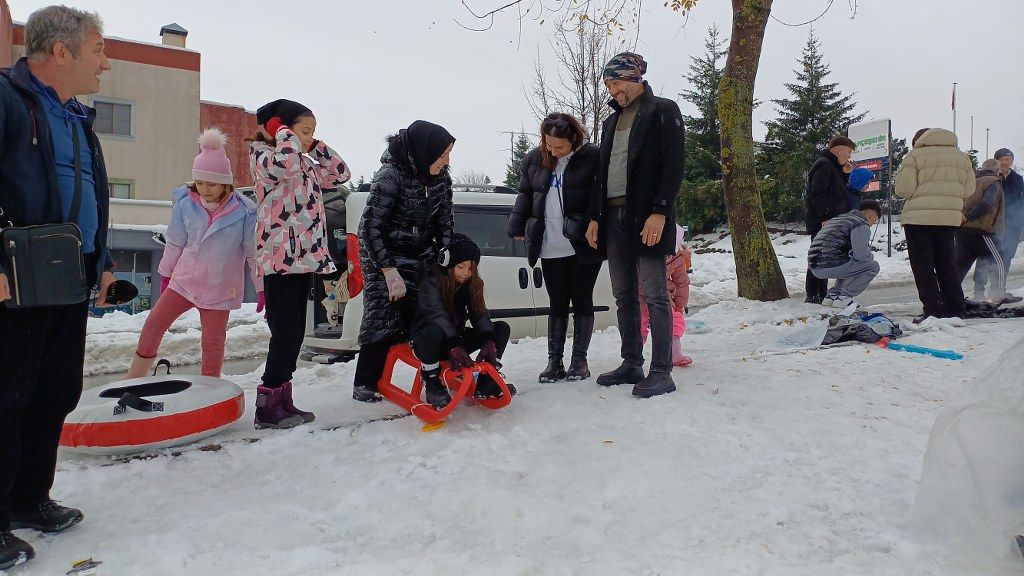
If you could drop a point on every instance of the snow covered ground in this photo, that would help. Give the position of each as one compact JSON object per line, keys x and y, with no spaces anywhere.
{"x":761,"y":463}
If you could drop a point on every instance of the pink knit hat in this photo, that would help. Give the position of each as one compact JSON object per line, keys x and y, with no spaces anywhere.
{"x":212,"y":164}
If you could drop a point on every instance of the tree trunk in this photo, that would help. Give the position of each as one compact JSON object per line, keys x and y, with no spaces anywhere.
{"x":758,"y":275}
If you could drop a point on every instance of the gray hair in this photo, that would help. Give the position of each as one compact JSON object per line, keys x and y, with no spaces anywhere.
{"x":47,"y":26}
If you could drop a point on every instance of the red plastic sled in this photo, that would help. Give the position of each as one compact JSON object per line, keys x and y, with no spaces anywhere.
{"x":462,"y":384}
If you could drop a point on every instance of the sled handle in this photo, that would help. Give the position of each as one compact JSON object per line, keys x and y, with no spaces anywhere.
{"x":129,"y":400}
{"x":165,"y":363}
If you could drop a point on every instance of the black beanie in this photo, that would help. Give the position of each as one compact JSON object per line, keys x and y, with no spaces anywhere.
{"x":287,"y":110}
{"x":461,"y":249}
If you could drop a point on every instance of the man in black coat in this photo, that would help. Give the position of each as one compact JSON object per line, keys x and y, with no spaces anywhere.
{"x":42,"y":349}
{"x":632,"y":220}
{"x":825,"y":198}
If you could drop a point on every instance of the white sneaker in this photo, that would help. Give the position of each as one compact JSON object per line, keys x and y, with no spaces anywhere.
{"x":841,"y":302}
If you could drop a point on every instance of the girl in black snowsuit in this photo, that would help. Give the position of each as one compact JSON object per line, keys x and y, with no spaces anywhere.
{"x":452,"y":294}
{"x":408,"y":220}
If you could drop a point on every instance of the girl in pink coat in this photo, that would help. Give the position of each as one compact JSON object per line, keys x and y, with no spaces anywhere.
{"x":678,"y":282}
{"x":209,"y":243}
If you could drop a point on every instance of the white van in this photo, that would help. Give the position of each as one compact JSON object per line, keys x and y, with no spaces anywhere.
{"x":515,"y":292}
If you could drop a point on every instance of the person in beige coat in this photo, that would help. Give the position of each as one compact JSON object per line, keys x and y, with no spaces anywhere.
{"x":934,"y":179}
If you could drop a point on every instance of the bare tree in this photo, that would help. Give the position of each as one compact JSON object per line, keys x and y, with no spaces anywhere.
{"x":475,"y":177}
{"x":580,"y":48}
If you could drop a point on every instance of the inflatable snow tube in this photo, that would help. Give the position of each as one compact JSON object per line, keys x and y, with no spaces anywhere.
{"x":149,"y":413}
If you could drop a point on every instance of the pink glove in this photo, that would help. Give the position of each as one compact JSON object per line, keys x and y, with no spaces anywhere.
{"x":164,"y":281}
{"x":395,"y":284}
{"x":261,"y":302}
{"x":458,"y":358}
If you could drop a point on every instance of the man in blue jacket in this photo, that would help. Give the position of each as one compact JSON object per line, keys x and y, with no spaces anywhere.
{"x":42,"y":350}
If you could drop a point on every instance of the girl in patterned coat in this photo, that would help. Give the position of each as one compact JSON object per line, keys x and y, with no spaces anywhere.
{"x":290,"y":169}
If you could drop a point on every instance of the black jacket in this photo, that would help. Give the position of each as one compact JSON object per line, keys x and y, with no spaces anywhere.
{"x":579,"y":190}
{"x":1013,"y":190}
{"x":430,"y":309}
{"x":405,"y":225}
{"x":654,"y":167}
{"x":825,"y":196}
{"x":29,"y":189}
{"x":844,"y":237}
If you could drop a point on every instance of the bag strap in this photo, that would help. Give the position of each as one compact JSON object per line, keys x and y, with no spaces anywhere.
{"x":76,"y":200}
{"x":129,"y":400}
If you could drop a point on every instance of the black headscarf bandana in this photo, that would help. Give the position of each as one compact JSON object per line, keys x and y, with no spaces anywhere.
{"x":425,"y":142}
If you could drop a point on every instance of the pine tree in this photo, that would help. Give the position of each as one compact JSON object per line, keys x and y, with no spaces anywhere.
{"x":703,"y":138}
{"x":522,"y":146}
{"x":817,"y":111}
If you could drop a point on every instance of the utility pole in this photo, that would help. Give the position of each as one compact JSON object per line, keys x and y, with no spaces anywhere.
{"x":972,"y":131}
{"x":986,"y":143}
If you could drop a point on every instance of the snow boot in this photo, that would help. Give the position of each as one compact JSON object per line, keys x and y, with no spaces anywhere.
{"x":624,"y":374}
{"x":555,"y":371}
{"x":436,"y":392}
{"x":582,"y":331}
{"x":48,"y":517}
{"x":140,"y":367}
{"x":14,"y":550}
{"x":678,"y":358}
{"x":270,"y":412}
{"x":656,"y":384}
{"x":365,"y":393}
{"x":289,"y":406}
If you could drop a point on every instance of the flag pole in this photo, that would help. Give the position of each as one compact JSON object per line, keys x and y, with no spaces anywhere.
{"x":953,"y":104}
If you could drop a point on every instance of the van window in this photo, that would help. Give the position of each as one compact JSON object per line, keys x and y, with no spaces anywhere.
{"x":487,"y":225}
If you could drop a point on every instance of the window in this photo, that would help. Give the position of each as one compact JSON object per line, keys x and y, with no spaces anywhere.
{"x":122,"y":188}
{"x":113,"y":118}
{"x":487,"y":227}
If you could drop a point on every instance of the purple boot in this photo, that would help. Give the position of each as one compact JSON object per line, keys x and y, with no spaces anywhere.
{"x":289,"y":406}
{"x":270,"y":411}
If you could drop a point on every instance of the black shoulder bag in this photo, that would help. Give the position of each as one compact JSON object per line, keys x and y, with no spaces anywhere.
{"x":44,"y":263}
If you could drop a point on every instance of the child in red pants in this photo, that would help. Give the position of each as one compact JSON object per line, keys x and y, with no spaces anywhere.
{"x":677,"y":268}
{"x":209,"y":243}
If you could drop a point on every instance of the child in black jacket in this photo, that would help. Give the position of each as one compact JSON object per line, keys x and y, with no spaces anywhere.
{"x":448,"y":297}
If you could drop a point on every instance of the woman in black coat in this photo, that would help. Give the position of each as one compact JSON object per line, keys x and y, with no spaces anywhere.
{"x":557,"y":186}
{"x":408,"y":220}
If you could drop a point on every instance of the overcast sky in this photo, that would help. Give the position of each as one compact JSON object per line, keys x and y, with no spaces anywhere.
{"x":369,"y":67}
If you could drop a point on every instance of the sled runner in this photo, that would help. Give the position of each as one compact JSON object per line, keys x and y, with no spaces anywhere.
{"x":462,"y":385}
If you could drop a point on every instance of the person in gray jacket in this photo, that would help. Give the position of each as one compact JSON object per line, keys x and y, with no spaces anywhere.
{"x":842,"y":250}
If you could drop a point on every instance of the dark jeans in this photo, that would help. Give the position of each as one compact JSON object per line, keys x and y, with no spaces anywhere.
{"x":933,"y":261}
{"x":430,"y":344}
{"x":627,"y":267}
{"x":569,"y":280}
{"x":42,"y":352}
{"x":816,"y":288}
{"x":286,"y":300}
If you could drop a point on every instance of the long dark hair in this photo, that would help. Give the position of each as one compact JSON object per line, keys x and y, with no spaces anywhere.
{"x":271,"y":141}
{"x":560,"y":126}
{"x":448,"y":285}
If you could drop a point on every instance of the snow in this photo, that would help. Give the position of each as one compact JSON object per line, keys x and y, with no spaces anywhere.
{"x":761,"y":463}
{"x":803,"y":463}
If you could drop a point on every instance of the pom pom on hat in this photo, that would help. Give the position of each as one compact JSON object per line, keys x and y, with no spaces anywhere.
{"x":212,"y":164}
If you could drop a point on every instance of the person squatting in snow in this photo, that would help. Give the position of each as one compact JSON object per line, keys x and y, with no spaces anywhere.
{"x":841,"y":250}
{"x":451,"y":294}
{"x":677,"y":280}
{"x":290,"y":169}
{"x":409,"y":218}
{"x":209,"y":242}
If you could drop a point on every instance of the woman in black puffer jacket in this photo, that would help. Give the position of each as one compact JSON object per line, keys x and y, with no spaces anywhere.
{"x":408,"y":220}
{"x":557,"y":189}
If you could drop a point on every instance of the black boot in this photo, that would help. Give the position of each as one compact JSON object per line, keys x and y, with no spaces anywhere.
{"x":624,"y":374}
{"x":14,"y":550}
{"x":435,"y":391}
{"x":47,"y":516}
{"x":582,"y":330}
{"x":555,"y":371}
{"x":366,"y":394}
